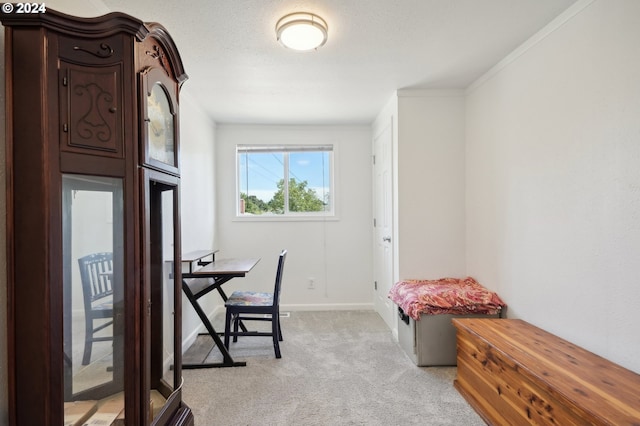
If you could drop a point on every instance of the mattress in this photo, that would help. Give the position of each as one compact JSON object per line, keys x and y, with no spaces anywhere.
{"x":455,"y":296}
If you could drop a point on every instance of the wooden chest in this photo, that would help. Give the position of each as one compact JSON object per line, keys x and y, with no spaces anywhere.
{"x":513,"y":373}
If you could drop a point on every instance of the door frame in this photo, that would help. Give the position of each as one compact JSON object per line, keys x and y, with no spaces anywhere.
{"x":383,"y":279}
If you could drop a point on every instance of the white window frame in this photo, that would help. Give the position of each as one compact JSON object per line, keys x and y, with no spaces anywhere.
{"x":289,"y":148}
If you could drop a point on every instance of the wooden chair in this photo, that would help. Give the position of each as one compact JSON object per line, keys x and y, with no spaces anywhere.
{"x":253,"y":306}
{"x":96,"y":273}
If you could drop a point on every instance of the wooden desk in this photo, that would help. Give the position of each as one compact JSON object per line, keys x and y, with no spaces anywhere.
{"x":197,"y":258}
{"x":200,"y":282}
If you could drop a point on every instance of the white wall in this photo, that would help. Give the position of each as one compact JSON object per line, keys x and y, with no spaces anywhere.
{"x":428,"y":184}
{"x":197,"y":195}
{"x":429,"y":164}
{"x":553,"y":179}
{"x":337,"y":253}
{"x":87,"y":8}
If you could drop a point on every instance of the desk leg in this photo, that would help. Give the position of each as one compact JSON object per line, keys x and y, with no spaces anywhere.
{"x":227,"y":359}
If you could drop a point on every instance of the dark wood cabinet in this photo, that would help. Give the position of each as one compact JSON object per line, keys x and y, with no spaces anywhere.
{"x":93,"y":221}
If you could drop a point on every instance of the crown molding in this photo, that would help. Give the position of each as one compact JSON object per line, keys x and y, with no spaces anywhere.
{"x":549,"y":29}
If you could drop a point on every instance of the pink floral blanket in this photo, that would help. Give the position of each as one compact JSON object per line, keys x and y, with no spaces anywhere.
{"x":458,"y":296}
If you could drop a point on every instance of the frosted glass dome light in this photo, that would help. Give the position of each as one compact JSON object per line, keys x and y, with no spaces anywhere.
{"x":302,"y":31}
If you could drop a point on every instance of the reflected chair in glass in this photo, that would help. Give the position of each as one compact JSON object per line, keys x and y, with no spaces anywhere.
{"x":245,"y":306}
{"x":96,"y":274}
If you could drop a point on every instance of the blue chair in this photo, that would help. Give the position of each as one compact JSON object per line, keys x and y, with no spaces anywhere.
{"x":253,"y":306}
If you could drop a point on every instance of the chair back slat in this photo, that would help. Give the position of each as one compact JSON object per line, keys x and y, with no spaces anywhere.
{"x":278,"y":285}
{"x":96,"y":272}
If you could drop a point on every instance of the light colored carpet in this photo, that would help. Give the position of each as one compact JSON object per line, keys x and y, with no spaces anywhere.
{"x":337,"y":368}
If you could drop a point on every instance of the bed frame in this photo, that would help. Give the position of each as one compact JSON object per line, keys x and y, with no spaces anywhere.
{"x":431,"y":341}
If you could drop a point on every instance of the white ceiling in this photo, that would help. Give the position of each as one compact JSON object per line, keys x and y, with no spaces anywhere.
{"x":239,"y":73}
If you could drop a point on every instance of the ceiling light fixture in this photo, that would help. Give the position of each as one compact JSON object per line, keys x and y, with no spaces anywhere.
{"x":302,"y":31}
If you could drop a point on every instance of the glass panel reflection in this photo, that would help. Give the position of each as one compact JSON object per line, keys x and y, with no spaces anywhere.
{"x":93,"y":273}
{"x":168,"y":288}
{"x":162,"y":204}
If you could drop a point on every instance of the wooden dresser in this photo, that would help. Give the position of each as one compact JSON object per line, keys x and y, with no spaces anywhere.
{"x":514,"y":373}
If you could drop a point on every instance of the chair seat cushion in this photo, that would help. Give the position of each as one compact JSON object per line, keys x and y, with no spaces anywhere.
{"x":250,"y":298}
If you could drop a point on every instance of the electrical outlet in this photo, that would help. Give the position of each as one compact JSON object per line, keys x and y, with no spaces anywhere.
{"x":312,"y":284}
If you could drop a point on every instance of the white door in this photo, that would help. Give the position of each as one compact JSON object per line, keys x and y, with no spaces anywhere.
{"x":383,"y":224}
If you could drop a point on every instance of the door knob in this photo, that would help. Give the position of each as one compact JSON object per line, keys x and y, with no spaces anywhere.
{"x":387,"y":239}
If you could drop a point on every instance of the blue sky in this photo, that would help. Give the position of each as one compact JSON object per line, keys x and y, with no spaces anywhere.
{"x":266,"y":169}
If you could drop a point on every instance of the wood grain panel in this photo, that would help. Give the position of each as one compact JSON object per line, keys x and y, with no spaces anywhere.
{"x":514,"y":373}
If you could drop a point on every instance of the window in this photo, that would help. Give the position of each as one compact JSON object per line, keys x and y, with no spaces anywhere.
{"x":288,"y":180}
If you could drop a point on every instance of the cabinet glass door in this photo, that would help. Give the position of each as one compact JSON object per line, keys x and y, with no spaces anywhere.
{"x":94,"y":302}
{"x":164,"y":374}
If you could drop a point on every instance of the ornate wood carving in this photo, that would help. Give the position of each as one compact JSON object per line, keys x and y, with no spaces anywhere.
{"x":157,"y":53}
{"x":104,"y":51}
{"x":92,"y":124}
{"x":91,"y":109}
